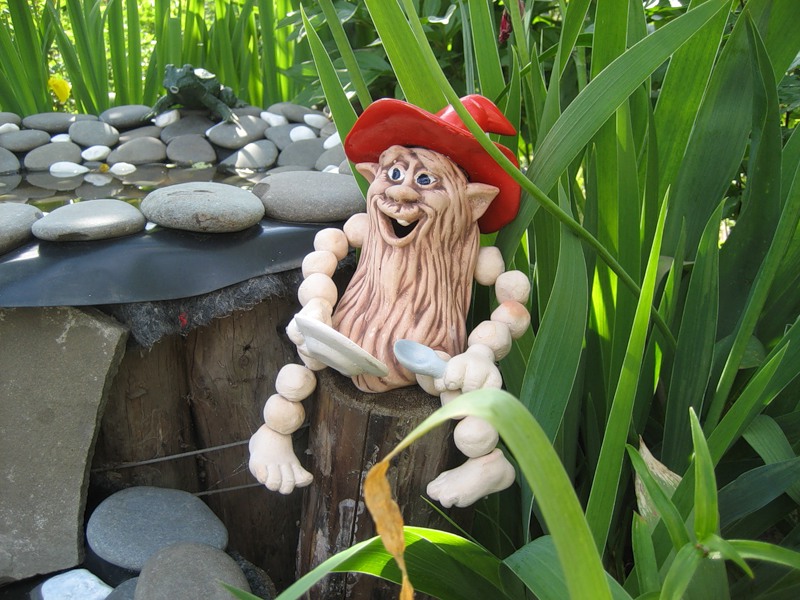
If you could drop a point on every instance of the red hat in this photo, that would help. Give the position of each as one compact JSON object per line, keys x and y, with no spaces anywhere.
{"x":388,"y":122}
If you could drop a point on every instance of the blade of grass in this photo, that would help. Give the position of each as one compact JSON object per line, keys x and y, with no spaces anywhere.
{"x":346,"y":52}
{"x":487,"y":58}
{"x":706,"y":512}
{"x":680,"y":573}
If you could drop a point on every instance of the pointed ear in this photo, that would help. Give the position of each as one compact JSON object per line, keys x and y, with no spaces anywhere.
{"x":368,"y":170}
{"x":480,"y":196}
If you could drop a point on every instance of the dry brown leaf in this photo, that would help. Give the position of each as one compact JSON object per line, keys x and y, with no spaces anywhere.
{"x":388,"y":520}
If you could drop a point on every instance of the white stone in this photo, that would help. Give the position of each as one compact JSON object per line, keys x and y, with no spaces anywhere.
{"x":515,"y":316}
{"x":167,"y":118}
{"x":356,"y":228}
{"x":316,"y":120}
{"x":8,"y":127}
{"x":98,"y":179}
{"x":61,"y":137}
{"x":320,"y":261}
{"x":332,"y":239}
{"x":475,"y":437}
{"x":332,"y":141}
{"x":282,"y":415}
{"x":301,"y":133}
{"x":295,"y":382}
{"x":330,"y":169}
{"x":317,"y":285}
{"x":96,"y":153}
{"x":512,"y":285}
{"x":273,"y":120}
{"x":489,"y":266}
{"x":78,"y":584}
{"x":493,"y":334}
{"x":122,"y":168}
{"x":64,"y":168}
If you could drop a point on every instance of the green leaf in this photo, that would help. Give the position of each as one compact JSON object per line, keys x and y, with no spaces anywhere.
{"x":345,"y":51}
{"x":487,"y":58}
{"x":680,"y":573}
{"x":706,"y":513}
{"x":767,"y":552}
{"x":644,"y":556}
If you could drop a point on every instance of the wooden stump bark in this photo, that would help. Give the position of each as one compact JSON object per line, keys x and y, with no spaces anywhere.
{"x":351,"y":431}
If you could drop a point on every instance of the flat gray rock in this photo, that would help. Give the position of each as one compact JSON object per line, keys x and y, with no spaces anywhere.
{"x":330,"y":158}
{"x":144,"y":131}
{"x":125,"y":117}
{"x":124,"y":591}
{"x":15,"y":224}
{"x":24,"y":140}
{"x":237,"y":135}
{"x":9,"y":163}
{"x":293,"y":112}
{"x":138,"y":151}
{"x":280,"y":134}
{"x":93,"y":133}
{"x":257,"y":156}
{"x":54,"y":122}
{"x":42,"y":513}
{"x":309,"y":196}
{"x":252,"y":111}
{"x":189,"y":124}
{"x":207,"y":207}
{"x":89,"y":220}
{"x":10,"y":117}
{"x":189,"y":571}
{"x":130,"y":526}
{"x":186,"y":150}
{"x":304,"y":153}
{"x":41,"y":158}
{"x":78,"y":584}
{"x":46,"y":181}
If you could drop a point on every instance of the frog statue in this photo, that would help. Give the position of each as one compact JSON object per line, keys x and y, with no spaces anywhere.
{"x":402,"y":319}
{"x":196,"y":88}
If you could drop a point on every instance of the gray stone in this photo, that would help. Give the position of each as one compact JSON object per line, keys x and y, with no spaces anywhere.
{"x":93,"y":133}
{"x":9,"y":163}
{"x":344,"y":168}
{"x":260,"y":583}
{"x":304,"y":152}
{"x":190,"y":149}
{"x":54,"y":122}
{"x":199,"y":206}
{"x":24,"y":140}
{"x":78,"y":584}
{"x":186,"y":125}
{"x":251,"y":111}
{"x":289,"y":169}
{"x":89,"y":220}
{"x":10,"y":117}
{"x":49,"y":419}
{"x":125,"y":590}
{"x":15,"y":224}
{"x":237,"y":135}
{"x":40,"y":159}
{"x":280,"y":134}
{"x":189,"y":571}
{"x":293,"y":112}
{"x":46,"y":181}
{"x":138,"y":151}
{"x":328,"y":130}
{"x":310,"y":197}
{"x":125,"y":117}
{"x":9,"y":183}
{"x":145,"y":131}
{"x":257,"y":156}
{"x":130,"y":526}
{"x":332,"y":157}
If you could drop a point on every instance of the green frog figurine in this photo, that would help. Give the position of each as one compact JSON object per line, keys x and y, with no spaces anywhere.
{"x":196,"y":88}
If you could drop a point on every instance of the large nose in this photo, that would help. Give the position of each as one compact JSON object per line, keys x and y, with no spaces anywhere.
{"x":402,"y":194}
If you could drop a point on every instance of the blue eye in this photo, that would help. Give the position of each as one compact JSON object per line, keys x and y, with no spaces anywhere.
{"x":396,"y":173}
{"x":424,"y":179}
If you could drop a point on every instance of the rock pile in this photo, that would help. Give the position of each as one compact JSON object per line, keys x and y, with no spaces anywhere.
{"x":146,"y":543}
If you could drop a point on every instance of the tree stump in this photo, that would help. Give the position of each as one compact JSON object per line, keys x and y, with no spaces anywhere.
{"x":350,"y":432}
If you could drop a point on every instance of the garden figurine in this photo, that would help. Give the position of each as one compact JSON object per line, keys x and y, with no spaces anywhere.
{"x":196,"y":88}
{"x":402,"y":319}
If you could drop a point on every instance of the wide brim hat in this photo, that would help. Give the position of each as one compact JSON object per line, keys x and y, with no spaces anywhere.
{"x":389,"y":122}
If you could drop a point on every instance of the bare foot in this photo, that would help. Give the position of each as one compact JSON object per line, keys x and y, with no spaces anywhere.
{"x":273,"y":463}
{"x":476,"y":478}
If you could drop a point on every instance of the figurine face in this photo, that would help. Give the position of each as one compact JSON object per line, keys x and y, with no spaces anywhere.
{"x":188,"y":79}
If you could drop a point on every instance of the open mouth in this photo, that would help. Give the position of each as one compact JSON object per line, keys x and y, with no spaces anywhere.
{"x":402,"y":228}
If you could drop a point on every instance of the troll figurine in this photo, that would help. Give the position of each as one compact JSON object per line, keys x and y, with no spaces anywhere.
{"x":402,"y":319}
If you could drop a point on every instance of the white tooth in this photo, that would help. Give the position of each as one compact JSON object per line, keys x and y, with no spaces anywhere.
{"x":403,"y":223}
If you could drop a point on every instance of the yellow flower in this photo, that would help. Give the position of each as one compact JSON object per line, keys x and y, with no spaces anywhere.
{"x":59,"y":87}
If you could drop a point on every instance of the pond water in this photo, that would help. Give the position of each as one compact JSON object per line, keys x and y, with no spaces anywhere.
{"x":46,"y":192}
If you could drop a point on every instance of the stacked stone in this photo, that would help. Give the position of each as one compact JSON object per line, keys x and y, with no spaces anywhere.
{"x":145,"y":543}
{"x":307,"y":177}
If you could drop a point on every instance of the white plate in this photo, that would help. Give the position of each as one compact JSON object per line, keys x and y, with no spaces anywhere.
{"x":338,"y":351}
